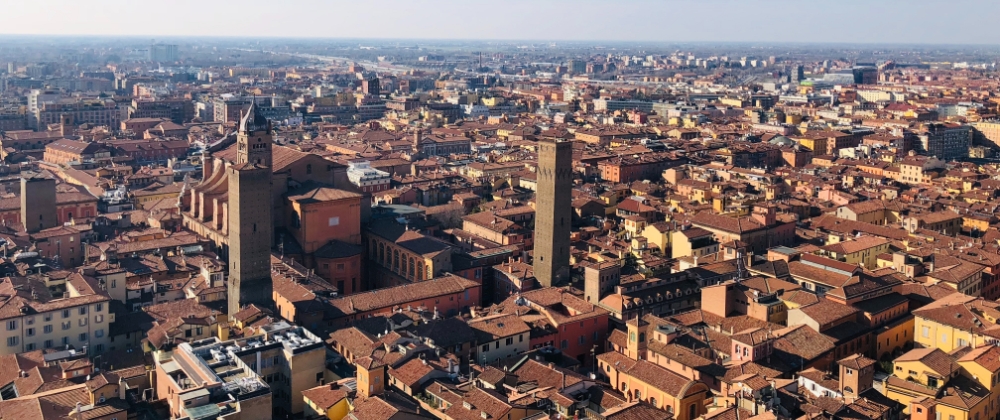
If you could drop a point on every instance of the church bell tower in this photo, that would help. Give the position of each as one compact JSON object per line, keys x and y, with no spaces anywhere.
{"x":250,"y":222}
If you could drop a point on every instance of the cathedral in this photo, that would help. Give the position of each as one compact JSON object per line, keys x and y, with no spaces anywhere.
{"x":257,"y":198}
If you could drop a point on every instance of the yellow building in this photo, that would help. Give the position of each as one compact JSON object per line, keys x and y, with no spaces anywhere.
{"x":894,"y":338}
{"x":658,"y":235}
{"x":328,"y":401}
{"x":981,"y":364}
{"x":816,"y":145}
{"x":957,"y":320}
{"x":693,"y":242}
{"x":934,"y":385}
{"x":862,"y":250}
{"x":640,"y":380}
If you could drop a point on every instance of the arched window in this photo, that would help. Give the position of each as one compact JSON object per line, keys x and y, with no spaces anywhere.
{"x":395,"y":260}
{"x":412,"y":267}
{"x":642,"y":337}
{"x":420,"y":271}
{"x":652,"y":401}
{"x":381,"y":253}
{"x":638,"y":395}
{"x":624,"y":387}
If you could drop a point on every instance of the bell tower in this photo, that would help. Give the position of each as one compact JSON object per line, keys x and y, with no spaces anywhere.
{"x":250,"y":222}
{"x":253,"y":138}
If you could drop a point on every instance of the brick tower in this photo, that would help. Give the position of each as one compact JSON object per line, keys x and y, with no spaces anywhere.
{"x":38,"y":202}
{"x":553,"y":212}
{"x":250,"y":230}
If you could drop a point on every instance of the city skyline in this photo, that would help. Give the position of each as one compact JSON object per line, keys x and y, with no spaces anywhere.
{"x":719,"y":21}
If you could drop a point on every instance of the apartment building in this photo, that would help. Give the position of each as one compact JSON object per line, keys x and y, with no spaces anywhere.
{"x":502,"y":338}
{"x":946,"y":141}
{"x":213,"y":379}
{"x":54,"y":310}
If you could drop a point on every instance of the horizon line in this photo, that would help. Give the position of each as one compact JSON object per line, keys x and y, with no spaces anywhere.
{"x":508,"y":40}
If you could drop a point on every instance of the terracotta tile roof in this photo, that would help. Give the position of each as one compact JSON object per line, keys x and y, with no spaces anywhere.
{"x":802,"y":342}
{"x":499,"y":326}
{"x":480,"y":400}
{"x":987,"y":356}
{"x":935,"y":359}
{"x":373,"y":409}
{"x":409,"y":239}
{"x":650,"y":373}
{"x":326,"y":396}
{"x":726,"y":223}
{"x":401,"y":295}
{"x":825,"y":312}
{"x":636,"y":410}
{"x":547,"y":376}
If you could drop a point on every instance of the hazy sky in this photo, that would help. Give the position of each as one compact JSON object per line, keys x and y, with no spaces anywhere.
{"x":868,"y":21}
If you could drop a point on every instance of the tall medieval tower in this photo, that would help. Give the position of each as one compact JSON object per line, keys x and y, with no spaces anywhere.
{"x":38,"y":202}
{"x":553,"y":214}
{"x":250,"y":223}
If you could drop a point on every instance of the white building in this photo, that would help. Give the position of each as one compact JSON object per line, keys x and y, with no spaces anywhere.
{"x":366,"y":178}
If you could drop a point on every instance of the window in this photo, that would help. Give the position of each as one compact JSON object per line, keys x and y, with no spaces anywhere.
{"x":99,"y":307}
{"x":334,"y":221}
{"x":926,"y":332}
{"x":11,"y":325}
{"x":66,"y":325}
{"x":30,"y":332}
{"x":99,"y":319}
{"x":11,"y":341}
{"x":83,"y":336}
{"x":48,"y":344}
{"x":510,"y":341}
{"x":99,"y":333}
{"x":47,"y":317}
{"x":83,"y":310}
{"x":652,"y":401}
{"x":565,"y":344}
{"x":319,"y":376}
{"x":65,"y":313}
{"x":486,"y":347}
{"x":47,"y":329}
